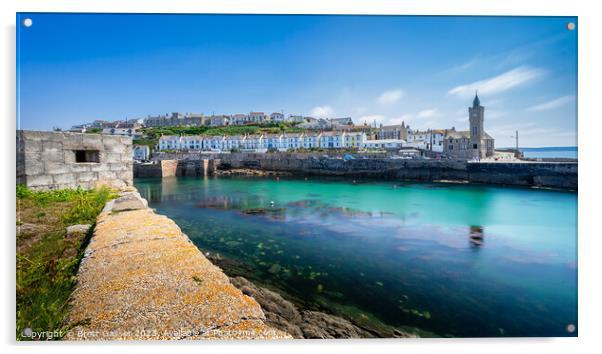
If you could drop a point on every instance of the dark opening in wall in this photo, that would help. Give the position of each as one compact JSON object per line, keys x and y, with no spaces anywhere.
{"x":87,"y":156}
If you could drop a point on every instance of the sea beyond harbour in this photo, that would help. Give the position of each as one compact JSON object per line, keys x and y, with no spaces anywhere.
{"x":454,"y":260}
{"x":568,"y":152}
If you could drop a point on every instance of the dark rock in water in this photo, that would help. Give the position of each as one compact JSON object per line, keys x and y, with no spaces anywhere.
{"x":253,"y":211}
{"x":284,"y":315}
{"x":322,"y":325}
{"x":281,"y":313}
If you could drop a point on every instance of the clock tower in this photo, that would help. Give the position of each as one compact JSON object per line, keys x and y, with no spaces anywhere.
{"x":476,"y":118}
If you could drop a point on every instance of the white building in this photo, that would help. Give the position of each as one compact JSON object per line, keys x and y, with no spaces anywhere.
{"x":292,"y":141}
{"x":277,"y":117}
{"x":239,"y":119}
{"x":438,"y":139}
{"x":315,"y":123}
{"x":341,"y":121}
{"x":170,"y":142}
{"x":419,"y":139}
{"x":264,"y":142}
{"x":232,"y":142}
{"x":253,"y":142}
{"x":331,"y":140}
{"x":257,"y":117}
{"x":218,"y":121}
{"x":431,"y":139}
{"x":272,"y":141}
{"x":141,"y":152}
{"x":386,"y":144}
{"x":354,"y":140}
{"x":311,"y":141}
{"x":295,"y":119}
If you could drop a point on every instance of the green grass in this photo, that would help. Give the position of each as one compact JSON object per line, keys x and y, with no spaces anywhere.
{"x":47,"y":261}
{"x":153,"y":134}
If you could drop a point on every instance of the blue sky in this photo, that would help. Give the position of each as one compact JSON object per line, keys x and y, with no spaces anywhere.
{"x":75,"y":68}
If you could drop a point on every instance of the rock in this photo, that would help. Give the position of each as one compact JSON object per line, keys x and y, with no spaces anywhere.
{"x":129,"y":201}
{"x":250,"y":172}
{"x":285,"y":316}
{"x":77,"y":230}
{"x":322,"y":325}
{"x":28,"y":228}
{"x":279,"y":313}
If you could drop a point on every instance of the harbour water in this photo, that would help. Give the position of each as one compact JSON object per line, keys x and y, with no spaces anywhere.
{"x":449,"y":259}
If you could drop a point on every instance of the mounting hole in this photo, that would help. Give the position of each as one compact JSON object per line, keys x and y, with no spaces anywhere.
{"x":570,"y":26}
{"x":27,"y":22}
{"x":570,"y":328}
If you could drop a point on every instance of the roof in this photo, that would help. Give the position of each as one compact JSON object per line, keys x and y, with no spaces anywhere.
{"x":458,"y":134}
{"x":385,"y":141}
{"x":396,"y":126}
{"x":476,"y":102}
{"x":464,"y":134}
{"x":335,"y":133}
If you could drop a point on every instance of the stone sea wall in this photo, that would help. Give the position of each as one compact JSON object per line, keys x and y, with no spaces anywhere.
{"x":49,"y":160}
{"x":142,"y":278}
{"x":562,"y":175}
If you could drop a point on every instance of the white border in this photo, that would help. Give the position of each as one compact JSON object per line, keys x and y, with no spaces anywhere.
{"x":589,"y":196}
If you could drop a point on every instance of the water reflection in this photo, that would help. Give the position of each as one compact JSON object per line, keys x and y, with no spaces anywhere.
{"x":476,"y":236}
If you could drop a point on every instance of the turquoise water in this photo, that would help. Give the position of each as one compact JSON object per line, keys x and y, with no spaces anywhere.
{"x":453,"y":260}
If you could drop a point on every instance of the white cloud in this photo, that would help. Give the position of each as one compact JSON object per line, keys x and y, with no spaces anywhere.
{"x":391,"y":96}
{"x":493,"y":114}
{"x":427,"y":113}
{"x":555,"y":103}
{"x":503,"y":82}
{"x":463,"y":66}
{"x":322,"y":112}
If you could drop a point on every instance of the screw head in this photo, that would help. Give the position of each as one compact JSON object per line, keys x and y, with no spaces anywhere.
{"x":570,"y":328}
{"x":570,"y":26}
{"x":27,"y":22}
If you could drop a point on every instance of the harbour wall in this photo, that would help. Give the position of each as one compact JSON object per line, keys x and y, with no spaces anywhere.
{"x":562,"y":175}
{"x":142,"y":278}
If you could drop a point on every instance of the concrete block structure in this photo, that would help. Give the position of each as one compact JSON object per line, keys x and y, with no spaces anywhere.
{"x":56,"y":160}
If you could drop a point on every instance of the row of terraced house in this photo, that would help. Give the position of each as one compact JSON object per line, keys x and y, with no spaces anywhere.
{"x":264,"y":142}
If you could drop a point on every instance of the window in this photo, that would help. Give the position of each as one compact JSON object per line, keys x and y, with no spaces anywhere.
{"x":474,"y":146}
{"x":82,"y":156}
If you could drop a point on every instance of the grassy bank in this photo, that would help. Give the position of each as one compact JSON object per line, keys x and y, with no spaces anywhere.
{"x":47,"y":260}
{"x":152,"y":135}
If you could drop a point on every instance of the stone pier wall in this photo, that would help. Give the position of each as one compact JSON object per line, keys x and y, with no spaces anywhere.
{"x":170,"y":168}
{"x":562,"y":175}
{"x":142,"y":278}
